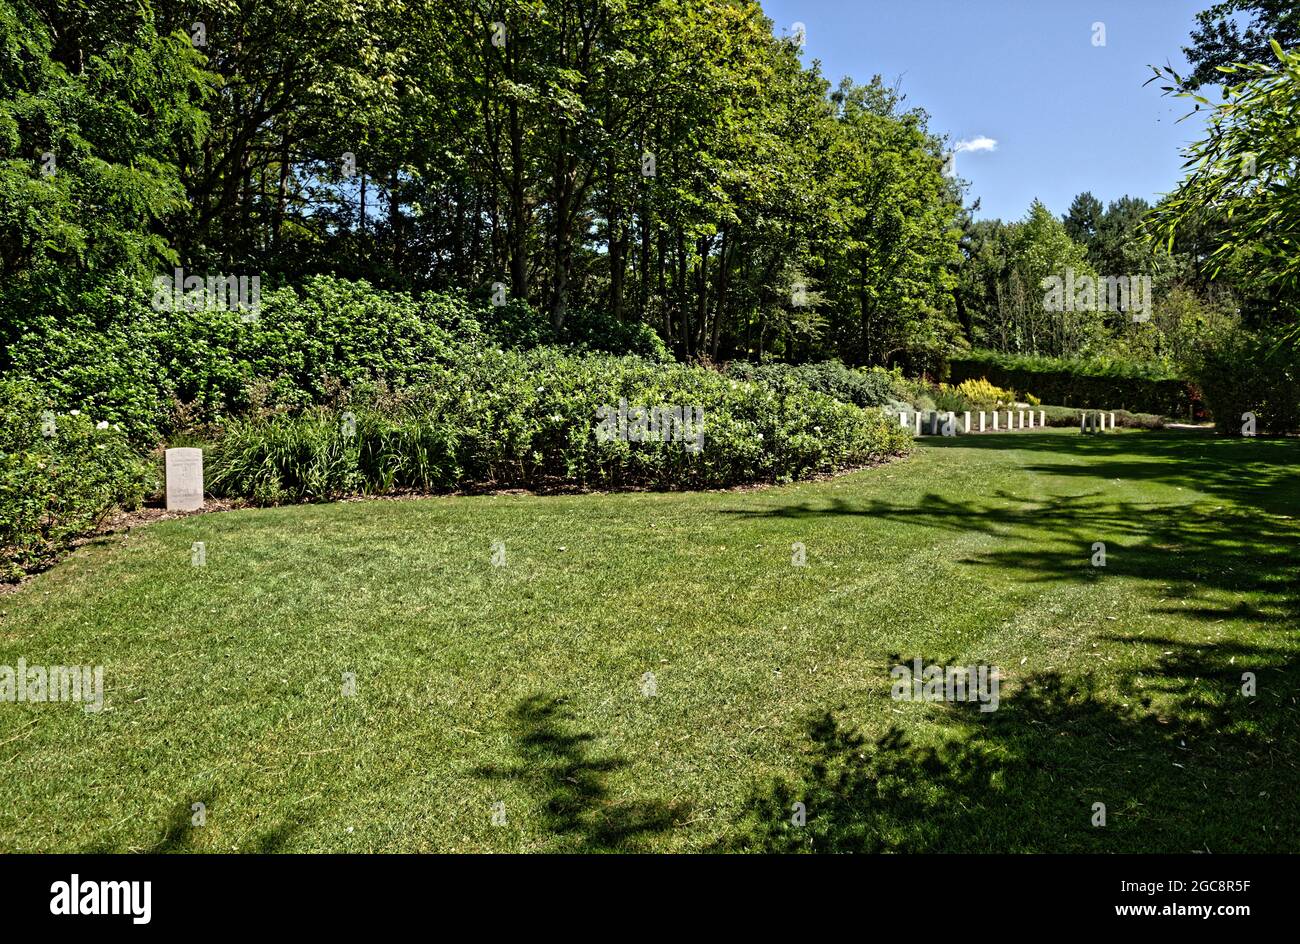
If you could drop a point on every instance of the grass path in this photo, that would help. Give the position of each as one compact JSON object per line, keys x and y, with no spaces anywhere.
{"x":523,"y":685}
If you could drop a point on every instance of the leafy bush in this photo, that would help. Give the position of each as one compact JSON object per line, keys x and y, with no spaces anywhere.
{"x":947,"y":399}
{"x":505,"y":418}
{"x":861,"y":388}
{"x":153,"y":371}
{"x":58,"y":486}
{"x":982,"y":395}
{"x":1239,"y":371}
{"x":518,"y":325}
{"x":1095,"y":384}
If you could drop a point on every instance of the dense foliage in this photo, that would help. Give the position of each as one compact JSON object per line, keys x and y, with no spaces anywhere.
{"x":1241,"y":371}
{"x":673,"y":164}
{"x":60,"y":475}
{"x":506,"y":418}
{"x":1094,"y":384}
{"x":860,"y":387}
{"x":161,"y":371}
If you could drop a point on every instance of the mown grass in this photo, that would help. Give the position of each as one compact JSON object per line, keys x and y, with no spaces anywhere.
{"x":523,"y":685}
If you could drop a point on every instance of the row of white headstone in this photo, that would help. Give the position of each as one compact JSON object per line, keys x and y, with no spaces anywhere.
{"x":989,"y":421}
{"x":1095,"y":421}
{"x":949,"y":421}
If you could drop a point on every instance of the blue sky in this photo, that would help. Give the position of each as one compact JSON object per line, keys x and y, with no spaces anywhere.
{"x":1067,"y":116}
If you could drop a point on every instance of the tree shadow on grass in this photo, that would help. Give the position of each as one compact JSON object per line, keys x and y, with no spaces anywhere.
{"x":1181,"y":757}
{"x":1263,"y":472}
{"x":555,"y":764}
{"x":1183,"y":761}
{"x":179,"y":833}
{"x":1182,"y":553}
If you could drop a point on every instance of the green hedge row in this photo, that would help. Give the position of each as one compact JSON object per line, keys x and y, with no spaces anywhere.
{"x":1084,"y":384}
{"x":508,"y":419}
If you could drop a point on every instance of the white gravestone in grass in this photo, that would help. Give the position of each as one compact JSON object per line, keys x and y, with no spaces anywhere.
{"x":184,"y":479}
{"x":981,"y":421}
{"x":1042,"y":417}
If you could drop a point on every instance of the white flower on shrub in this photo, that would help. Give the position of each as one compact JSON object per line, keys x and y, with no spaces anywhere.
{"x":102,"y":424}
{"x":74,"y":412}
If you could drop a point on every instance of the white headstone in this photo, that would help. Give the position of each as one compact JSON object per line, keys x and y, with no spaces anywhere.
{"x":1031,"y":419}
{"x":918,"y":422}
{"x":1112,"y":421}
{"x":902,"y":419}
{"x":968,"y":429}
{"x":1011,"y":422}
{"x":1042,"y":417}
{"x":981,"y":421}
{"x":995,"y":421}
{"x":184,"y":479}
{"x":1021,"y":414}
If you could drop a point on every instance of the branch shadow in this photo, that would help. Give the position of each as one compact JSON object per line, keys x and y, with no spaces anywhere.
{"x":1181,"y":755}
{"x":570,"y":784}
{"x":1184,"y":762}
{"x":1260,"y":471}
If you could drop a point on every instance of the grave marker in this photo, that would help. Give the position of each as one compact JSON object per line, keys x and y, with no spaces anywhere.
{"x":184,"y":479}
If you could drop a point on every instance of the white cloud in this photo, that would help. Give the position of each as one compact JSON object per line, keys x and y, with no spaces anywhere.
{"x":981,"y":143}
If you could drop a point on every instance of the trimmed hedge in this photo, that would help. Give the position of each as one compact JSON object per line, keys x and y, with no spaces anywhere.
{"x":1095,"y":385}
{"x":510,"y":419}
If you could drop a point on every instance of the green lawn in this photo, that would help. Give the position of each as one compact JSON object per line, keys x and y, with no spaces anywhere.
{"x":523,"y":685}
